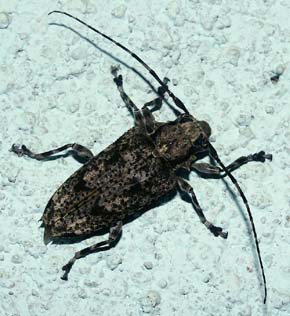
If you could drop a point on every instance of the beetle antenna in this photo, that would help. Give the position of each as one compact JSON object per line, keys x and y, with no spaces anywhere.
{"x":215,"y":156}
{"x":175,"y":99}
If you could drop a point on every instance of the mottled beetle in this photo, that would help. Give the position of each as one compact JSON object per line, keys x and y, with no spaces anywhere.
{"x":137,"y":170}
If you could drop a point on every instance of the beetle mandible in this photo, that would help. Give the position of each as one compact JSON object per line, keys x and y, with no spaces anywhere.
{"x":134,"y":172}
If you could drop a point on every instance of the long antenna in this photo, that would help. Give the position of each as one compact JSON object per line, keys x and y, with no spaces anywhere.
{"x":215,"y":156}
{"x":212,"y":150}
{"x":176,"y":100}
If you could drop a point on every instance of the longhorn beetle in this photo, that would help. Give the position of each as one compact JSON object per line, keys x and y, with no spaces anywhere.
{"x":134,"y":172}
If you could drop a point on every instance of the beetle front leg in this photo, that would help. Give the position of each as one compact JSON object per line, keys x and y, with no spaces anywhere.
{"x":208,"y":170}
{"x":118,"y":79}
{"x":185,"y":187}
{"x":156,"y":103}
{"x":79,"y":152}
{"x":114,"y":235}
{"x":144,"y":122}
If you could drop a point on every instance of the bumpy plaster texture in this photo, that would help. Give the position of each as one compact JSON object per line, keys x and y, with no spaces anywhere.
{"x":56,"y":88}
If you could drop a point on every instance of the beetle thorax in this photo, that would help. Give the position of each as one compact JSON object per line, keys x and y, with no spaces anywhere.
{"x":178,"y":140}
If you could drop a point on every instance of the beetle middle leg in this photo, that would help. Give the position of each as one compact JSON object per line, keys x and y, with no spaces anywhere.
{"x":114,"y":235}
{"x":210,"y":171}
{"x":186,"y":187}
{"x":79,"y":152}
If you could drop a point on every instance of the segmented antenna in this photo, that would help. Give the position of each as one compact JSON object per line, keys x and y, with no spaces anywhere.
{"x":212,"y":150}
{"x":176,"y":100}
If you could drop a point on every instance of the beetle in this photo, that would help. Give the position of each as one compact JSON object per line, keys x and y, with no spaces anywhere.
{"x":136,"y":171}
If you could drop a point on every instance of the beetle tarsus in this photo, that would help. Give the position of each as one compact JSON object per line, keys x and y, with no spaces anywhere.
{"x":19,"y":150}
{"x":218,"y":231}
{"x":67,"y":267}
{"x":262,"y":156}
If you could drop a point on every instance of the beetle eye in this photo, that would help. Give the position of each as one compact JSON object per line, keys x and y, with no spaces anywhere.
{"x":205,"y":127}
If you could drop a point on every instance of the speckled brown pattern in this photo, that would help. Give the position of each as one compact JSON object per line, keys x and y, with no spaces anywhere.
{"x":119,"y":181}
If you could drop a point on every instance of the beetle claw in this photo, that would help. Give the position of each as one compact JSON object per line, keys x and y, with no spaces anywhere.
{"x":218,"y":231}
{"x":262,"y":156}
{"x":19,"y":150}
{"x":66,"y":268}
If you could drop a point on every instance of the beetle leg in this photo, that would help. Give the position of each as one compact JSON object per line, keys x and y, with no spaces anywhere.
{"x":156,"y":104}
{"x":208,"y":170}
{"x":186,"y":187}
{"x":148,"y":116}
{"x":138,"y":117}
{"x":79,"y":152}
{"x":144,"y":122}
{"x":114,"y":235}
{"x":118,"y":79}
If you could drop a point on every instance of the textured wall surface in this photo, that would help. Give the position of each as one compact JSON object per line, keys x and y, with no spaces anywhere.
{"x":56,"y":88}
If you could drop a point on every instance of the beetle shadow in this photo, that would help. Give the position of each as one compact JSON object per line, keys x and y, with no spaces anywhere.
{"x":116,"y":59}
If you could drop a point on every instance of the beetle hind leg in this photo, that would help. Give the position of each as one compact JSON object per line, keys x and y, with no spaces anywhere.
{"x":79,"y":152}
{"x":114,"y":235}
{"x":217,"y":231}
